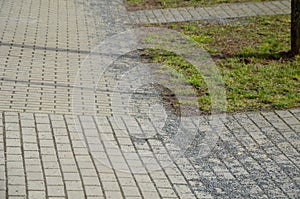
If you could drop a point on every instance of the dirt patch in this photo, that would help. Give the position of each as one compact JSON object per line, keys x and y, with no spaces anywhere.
{"x":143,"y":5}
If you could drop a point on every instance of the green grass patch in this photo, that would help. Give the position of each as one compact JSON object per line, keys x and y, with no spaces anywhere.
{"x":253,"y":58}
{"x":155,"y":4}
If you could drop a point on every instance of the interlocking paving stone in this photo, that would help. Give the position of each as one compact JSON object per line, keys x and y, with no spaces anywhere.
{"x":223,"y":11}
{"x":243,"y":157}
{"x":48,"y":151}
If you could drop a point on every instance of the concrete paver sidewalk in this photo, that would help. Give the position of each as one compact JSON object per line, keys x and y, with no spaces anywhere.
{"x":45,"y":155}
{"x":218,"y":12}
{"x":49,"y":151}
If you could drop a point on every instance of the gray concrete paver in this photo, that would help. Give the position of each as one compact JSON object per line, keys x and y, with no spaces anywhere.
{"x":47,"y":151}
{"x":223,"y":11}
{"x":246,"y":155}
